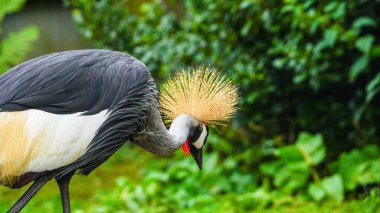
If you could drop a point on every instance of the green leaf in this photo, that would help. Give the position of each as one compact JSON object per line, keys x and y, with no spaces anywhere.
{"x":363,"y":22}
{"x":292,"y":176}
{"x":15,"y":47}
{"x":373,"y":88}
{"x":364,"y":44}
{"x":316,"y":192}
{"x":330,"y":37}
{"x":9,"y":6}
{"x":309,"y":142}
{"x":360,"y":167}
{"x":312,"y":147}
{"x":330,"y":6}
{"x":247,"y":26}
{"x":358,"y":67}
{"x":340,"y":11}
{"x":333,"y":186}
{"x":289,"y":154}
{"x":349,"y":168}
{"x":271,"y":168}
{"x":370,"y":172}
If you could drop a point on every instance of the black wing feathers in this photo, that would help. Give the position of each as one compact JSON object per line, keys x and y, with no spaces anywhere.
{"x":86,"y":81}
{"x":127,"y":118}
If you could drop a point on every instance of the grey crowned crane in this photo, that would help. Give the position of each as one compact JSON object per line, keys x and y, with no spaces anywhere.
{"x":68,"y":112}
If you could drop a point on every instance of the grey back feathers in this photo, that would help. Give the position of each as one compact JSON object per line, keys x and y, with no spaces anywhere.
{"x":86,"y":81}
{"x":90,"y":81}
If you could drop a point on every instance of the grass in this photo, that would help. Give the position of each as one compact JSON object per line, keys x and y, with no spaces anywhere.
{"x":93,"y":193}
{"x":364,"y":206}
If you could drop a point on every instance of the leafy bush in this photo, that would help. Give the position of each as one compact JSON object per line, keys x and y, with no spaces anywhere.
{"x":14,"y":48}
{"x":297,"y":163}
{"x":300,"y":66}
{"x":360,"y":167}
{"x":174,"y":185}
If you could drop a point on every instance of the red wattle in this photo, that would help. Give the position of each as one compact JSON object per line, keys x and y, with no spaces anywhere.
{"x":186,"y":148}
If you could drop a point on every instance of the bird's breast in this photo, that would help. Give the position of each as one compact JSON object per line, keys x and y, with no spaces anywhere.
{"x":36,"y":141}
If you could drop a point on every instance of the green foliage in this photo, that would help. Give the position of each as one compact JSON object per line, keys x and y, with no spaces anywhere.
{"x":301,"y":66}
{"x":182,"y":186}
{"x":360,"y":167}
{"x":296,"y":164}
{"x":14,"y":48}
{"x":331,"y":187}
{"x":172,"y":185}
{"x":9,"y":7}
{"x":177,"y":185}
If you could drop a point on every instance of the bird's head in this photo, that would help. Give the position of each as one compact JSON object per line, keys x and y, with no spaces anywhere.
{"x":191,"y":134}
{"x":194,"y":101}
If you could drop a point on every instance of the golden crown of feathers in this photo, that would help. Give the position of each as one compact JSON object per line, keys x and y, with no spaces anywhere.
{"x":201,"y":92}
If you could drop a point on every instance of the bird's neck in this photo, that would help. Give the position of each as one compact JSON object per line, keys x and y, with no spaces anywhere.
{"x":157,"y":139}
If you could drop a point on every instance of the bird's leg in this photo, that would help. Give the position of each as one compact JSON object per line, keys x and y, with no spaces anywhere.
{"x":63,"y":184}
{"x":25,"y":198}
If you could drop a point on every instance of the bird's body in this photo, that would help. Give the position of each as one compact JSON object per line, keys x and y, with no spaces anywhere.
{"x":34,"y":141}
{"x":68,"y":112}
{"x":50,"y":122}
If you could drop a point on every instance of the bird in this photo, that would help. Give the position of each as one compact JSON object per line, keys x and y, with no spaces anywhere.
{"x":66,"y":113}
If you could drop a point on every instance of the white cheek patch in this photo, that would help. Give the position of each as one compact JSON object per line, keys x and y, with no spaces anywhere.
{"x":179,"y":128}
{"x":201,"y":140}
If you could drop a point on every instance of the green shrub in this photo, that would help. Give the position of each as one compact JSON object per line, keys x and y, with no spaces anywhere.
{"x":300,"y":66}
{"x":13,"y":49}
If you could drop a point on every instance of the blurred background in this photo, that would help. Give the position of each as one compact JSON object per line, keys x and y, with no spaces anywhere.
{"x":307,"y":134}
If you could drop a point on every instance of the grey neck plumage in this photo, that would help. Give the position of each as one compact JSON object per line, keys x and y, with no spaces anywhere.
{"x":157,"y":139}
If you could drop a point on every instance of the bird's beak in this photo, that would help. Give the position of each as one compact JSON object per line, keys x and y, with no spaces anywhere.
{"x":197,"y":155}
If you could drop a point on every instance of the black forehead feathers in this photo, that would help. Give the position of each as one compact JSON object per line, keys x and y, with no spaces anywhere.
{"x":194,"y":133}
